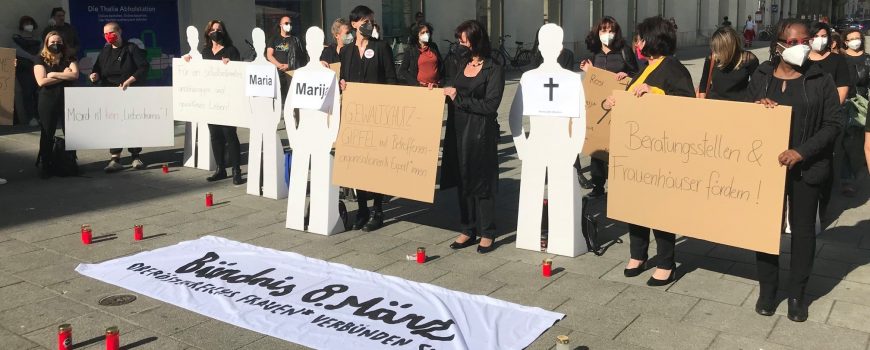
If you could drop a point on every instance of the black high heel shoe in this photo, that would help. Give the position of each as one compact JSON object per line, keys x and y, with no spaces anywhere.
{"x":472,"y":240}
{"x":797,"y":310}
{"x":654,"y":282}
{"x":483,"y":250}
{"x":634,"y":272}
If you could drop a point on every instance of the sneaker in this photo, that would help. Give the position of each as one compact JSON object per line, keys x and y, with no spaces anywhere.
{"x":114,"y":166}
{"x":33,"y":123}
{"x":138,"y":164}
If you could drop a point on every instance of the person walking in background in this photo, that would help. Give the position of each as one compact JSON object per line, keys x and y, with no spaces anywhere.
{"x":120,"y":64}
{"x":847,"y":148}
{"x":789,"y":80}
{"x":422,"y":64}
{"x":726,"y":22}
{"x":27,"y":46}
{"x":471,"y":140}
{"x":287,"y":53}
{"x":55,"y":70}
{"x":341,"y":34}
{"x":611,"y":53}
{"x":57,"y":23}
{"x":749,"y":31}
{"x":224,"y":139}
{"x":728,"y":68}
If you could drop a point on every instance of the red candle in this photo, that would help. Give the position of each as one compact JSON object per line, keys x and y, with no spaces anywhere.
{"x":209,"y":199}
{"x":137,"y":233}
{"x":547,"y":268}
{"x":87,"y":234}
{"x":64,"y":337}
{"x":112,"y":338}
{"x":165,"y":169}
{"x":421,"y":255}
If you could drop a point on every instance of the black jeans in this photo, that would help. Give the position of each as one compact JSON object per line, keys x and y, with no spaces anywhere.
{"x":134,"y":152}
{"x":362,"y":198}
{"x":477,"y":215}
{"x":665,"y":243}
{"x":221,"y":138}
{"x":803,"y":198}
{"x":285,"y":80}
{"x":598,"y":173}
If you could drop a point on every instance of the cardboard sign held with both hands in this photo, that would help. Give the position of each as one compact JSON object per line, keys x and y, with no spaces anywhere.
{"x":599,"y":84}
{"x":7,"y":85}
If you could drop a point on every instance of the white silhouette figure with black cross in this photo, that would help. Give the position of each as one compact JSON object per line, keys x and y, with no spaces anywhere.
{"x":197,"y":144}
{"x":264,"y":148}
{"x":314,"y":92}
{"x":553,"y":99}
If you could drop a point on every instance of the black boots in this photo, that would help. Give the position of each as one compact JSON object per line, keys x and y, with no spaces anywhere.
{"x":237,"y":176}
{"x":218,"y":175}
{"x":797,"y":310}
{"x":376,"y":220}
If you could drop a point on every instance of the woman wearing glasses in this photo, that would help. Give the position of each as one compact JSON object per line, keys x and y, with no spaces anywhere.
{"x":789,"y":79}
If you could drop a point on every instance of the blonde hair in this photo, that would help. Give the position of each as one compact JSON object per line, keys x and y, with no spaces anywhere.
{"x":47,"y":55}
{"x":337,"y":24}
{"x":727,"y":48}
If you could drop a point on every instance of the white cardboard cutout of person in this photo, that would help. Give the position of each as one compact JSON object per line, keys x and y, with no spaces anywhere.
{"x":548,"y":155}
{"x":197,"y":139}
{"x":312,"y":142}
{"x":264,"y":146}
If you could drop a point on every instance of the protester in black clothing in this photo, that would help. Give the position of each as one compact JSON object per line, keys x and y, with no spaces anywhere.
{"x":816,"y":120}
{"x":726,"y":22}
{"x":829,"y":61}
{"x":55,"y":70}
{"x":730,"y":66}
{"x":341,"y":34}
{"x":422,"y":64}
{"x":609,"y":52}
{"x":367,"y":61}
{"x":219,"y":46}
{"x":849,"y":144}
{"x":27,"y":47}
{"x":287,"y":53}
{"x":667,"y":76}
{"x":120,"y":64}
{"x":470,"y":146}
{"x":57,"y":23}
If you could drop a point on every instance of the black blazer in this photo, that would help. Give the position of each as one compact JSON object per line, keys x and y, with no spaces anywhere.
{"x":484,"y":97}
{"x":672,"y":77}
{"x":408,"y":71}
{"x":131,"y":62}
{"x":821,"y":124}
{"x":329,"y":55}
{"x":379,"y":69}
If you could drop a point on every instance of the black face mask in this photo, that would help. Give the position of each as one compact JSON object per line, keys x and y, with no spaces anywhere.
{"x":55,"y":48}
{"x":216,"y":36}
{"x":366,"y":29}
{"x":463,"y":51}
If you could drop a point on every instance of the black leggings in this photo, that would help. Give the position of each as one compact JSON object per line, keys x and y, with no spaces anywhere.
{"x":803,"y":200}
{"x":221,"y":138}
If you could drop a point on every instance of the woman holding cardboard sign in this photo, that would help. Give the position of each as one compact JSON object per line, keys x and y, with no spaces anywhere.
{"x":789,"y":79}
{"x":470,"y":147}
{"x":219,"y":46}
{"x":665,"y":75}
{"x":55,"y":70}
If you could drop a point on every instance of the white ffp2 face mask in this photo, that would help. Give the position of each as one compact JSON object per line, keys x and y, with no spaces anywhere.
{"x":854,"y":44}
{"x":795,"y":55}
{"x":287,"y":28}
{"x":606,"y":38}
{"x":348,"y":39}
{"x":424,"y":38}
{"x":819,"y":43}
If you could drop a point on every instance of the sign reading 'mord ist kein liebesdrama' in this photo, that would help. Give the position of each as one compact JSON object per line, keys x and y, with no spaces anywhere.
{"x":320,"y":304}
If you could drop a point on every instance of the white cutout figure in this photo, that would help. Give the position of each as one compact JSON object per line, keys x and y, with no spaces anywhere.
{"x":312,"y":142}
{"x":264,"y":146}
{"x":197,"y":139}
{"x":548,"y":155}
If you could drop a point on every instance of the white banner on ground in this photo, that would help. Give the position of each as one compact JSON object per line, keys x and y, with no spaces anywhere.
{"x":108,"y":117}
{"x":320,"y":304}
{"x":209,"y":91}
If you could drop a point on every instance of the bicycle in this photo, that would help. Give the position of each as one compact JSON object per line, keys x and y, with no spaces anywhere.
{"x":522,"y":57}
{"x":766,"y":34}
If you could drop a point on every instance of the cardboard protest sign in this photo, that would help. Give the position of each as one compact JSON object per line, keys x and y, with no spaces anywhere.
{"x":389,"y":140}
{"x":701,"y":168}
{"x":209,"y":91}
{"x":336,"y":67}
{"x":551,"y":94}
{"x":598,"y":85}
{"x":7,"y":85}
{"x":108,"y":117}
{"x":261,"y":80}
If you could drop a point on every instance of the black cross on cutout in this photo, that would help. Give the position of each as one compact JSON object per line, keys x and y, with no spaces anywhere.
{"x":551,"y":86}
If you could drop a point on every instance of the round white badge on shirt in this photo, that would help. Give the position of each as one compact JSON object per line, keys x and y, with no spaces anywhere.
{"x":369,"y":53}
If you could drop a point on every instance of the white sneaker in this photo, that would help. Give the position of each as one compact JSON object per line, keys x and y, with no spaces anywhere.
{"x":138,"y":164}
{"x":114,"y":166}
{"x":2,"y":181}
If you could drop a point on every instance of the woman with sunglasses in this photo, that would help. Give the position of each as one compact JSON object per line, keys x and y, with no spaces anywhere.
{"x":789,"y":79}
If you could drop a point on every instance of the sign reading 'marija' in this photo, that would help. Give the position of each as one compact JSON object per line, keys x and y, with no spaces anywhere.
{"x":700,"y":168}
{"x":389,"y":140}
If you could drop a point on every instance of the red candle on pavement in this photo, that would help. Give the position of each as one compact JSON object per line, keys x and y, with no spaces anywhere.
{"x":137,"y":233}
{"x":165,"y":169}
{"x":87,"y":234}
{"x":64,"y":337}
{"x":547,"y":268}
{"x":421,"y":255}
{"x":209,"y":199}
{"x":112,"y":338}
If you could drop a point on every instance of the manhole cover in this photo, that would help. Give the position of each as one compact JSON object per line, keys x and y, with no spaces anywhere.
{"x":117,"y":300}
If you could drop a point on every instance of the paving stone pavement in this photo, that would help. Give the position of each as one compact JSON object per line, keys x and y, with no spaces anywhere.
{"x":709,"y":307}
